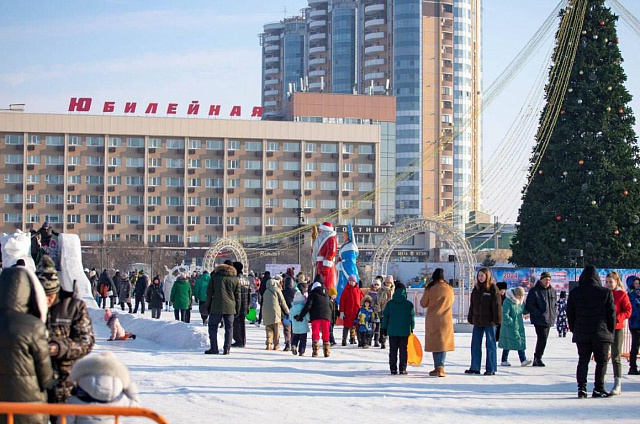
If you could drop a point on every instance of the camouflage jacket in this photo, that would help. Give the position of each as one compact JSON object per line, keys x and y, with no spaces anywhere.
{"x":70,"y":328}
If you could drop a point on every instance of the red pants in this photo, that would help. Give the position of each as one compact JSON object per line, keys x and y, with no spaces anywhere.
{"x":320,"y":325}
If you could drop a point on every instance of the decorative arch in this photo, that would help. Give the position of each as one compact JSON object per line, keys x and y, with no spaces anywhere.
{"x":222,"y":244}
{"x":412,"y":226}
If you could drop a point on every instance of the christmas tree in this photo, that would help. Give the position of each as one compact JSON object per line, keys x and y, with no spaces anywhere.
{"x":583,"y":181}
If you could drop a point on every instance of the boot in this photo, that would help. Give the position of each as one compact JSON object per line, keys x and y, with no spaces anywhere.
{"x":617,"y":387}
{"x":314,"y":347}
{"x":268,"y":346}
{"x":352,"y":334}
{"x":287,"y":347}
{"x":582,"y":391}
{"x":599,"y":394}
{"x":345,"y":333}
{"x":276,"y":347}
{"x":326,"y":348}
{"x":375,"y":341}
{"x":437,"y":372}
{"x":633,"y":370}
{"x":294,"y":350}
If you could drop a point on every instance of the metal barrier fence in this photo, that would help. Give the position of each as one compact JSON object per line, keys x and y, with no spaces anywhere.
{"x":10,"y":409}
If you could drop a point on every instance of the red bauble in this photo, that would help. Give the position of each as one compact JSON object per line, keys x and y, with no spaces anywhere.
{"x":620,"y":111}
{"x":625,"y":192}
{"x":562,"y":112}
{"x":603,"y":23}
{"x":581,"y":162}
{"x":616,"y":232}
{"x":559,"y":218}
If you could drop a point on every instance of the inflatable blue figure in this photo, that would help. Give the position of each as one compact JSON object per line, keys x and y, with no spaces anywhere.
{"x":346,"y":266}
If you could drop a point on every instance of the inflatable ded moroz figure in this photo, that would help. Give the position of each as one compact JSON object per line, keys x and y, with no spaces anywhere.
{"x":323,"y":252}
{"x":347,"y":262}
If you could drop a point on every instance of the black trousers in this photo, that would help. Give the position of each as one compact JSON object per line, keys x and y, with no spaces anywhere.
{"x":542,"y":334}
{"x":398,"y":344}
{"x":239,"y":331}
{"x":139,"y":301}
{"x":181,"y":315}
{"x":600,"y":352}
{"x":299,"y":340}
{"x":633,"y":353}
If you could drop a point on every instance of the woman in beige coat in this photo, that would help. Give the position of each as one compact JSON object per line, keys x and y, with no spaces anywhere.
{"x":273,"y":308}
{"x":437,"y":298}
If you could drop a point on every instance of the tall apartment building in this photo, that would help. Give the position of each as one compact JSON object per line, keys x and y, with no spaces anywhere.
{"x":427,"y":55}
{"x":187,"y":182}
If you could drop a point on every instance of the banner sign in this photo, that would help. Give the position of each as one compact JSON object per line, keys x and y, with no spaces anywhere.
{"x":560,"y":277}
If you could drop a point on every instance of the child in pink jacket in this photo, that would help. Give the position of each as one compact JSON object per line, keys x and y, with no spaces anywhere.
{"x":117,"y":332}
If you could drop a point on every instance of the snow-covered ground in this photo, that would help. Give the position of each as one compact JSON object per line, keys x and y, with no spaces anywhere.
{"x":353,"y":385}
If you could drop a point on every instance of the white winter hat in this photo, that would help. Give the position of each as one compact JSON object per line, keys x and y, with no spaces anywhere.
{"x":102,"y":364}
{"x":299,"y":297}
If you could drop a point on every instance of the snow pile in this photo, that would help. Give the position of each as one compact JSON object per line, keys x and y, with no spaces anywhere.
{"x":169,"y":334}
{"x":71,"y":266}
{"x":16,"y":246}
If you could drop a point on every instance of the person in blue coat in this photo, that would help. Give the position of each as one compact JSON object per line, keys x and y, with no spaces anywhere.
{"x":634,"y":325}
{"x":300,"y":329}
{"x":347,"y":262}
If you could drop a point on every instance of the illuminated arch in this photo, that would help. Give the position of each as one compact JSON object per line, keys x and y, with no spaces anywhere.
{"x":223,"y":244}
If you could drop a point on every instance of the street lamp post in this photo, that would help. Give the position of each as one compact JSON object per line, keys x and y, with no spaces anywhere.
{"x":300,"y":212}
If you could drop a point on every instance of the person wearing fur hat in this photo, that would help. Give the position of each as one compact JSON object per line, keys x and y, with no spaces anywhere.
{"x":223,"y":304}
{"x":385,"y":293}
{"x":300,"y":329}
{"x":181,"y":297}
{"x":319,"y":308}
{"x":324,"y":251}
{"x":364,"y":323}
{"x":350,"y":302}
{"x":155,"y":297}
{"x":70,"y":330}
{"x":25,"y":366}
{"x":102,"y":381}
{"x":438,"y":298}
{"x":513,"y":336}
{"x":542,"y":305}
{"x":117,"y":332}
{"x":124,"y":289}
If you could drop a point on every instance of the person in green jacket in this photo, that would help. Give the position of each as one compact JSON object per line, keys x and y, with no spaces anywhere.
{"x":181,"y":298}
{"x":202,"y":283}
{"x":512,"y":336}
{"x":398,"y":323}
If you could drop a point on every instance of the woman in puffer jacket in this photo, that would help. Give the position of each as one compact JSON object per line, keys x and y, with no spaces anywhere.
{"x":102,"y":381}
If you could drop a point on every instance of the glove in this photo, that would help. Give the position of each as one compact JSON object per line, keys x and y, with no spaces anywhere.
{"x":298,"y":318}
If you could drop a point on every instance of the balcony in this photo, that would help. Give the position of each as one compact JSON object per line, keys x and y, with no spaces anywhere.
{"x":319,"y":61}
{"x":272,"y":71}
{"x":270,"y":103}
{"x":273,"y":81}
{"x":374,"y":36}
{"x":318,"y":13}
{"x":315,"y":86}
{"x":318,"y":24}
{"x":271,"y":92}
{"x":317,"y":3}
{"x":374,"y":75}
{"x":374,"y":8}
{"x":274,"y":26}
{"x":373,"y":23}
{"x":317,"y":37}
{"x":317,"y":73}
{"x":373,"y":62}
{"x":271,"y":38}
{"x":373,"y":49}
{"x":271,"y":48}
{"x":319,"y":49}
{"x":271,"y":59}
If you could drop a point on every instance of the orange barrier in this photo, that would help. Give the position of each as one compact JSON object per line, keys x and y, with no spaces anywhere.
{"x":10,"y":409}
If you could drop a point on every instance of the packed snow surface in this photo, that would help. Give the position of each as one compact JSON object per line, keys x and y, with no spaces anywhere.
{"x":354,"y":385}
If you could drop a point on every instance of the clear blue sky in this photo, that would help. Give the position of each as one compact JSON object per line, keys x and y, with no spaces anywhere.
{"x":170,"y":51}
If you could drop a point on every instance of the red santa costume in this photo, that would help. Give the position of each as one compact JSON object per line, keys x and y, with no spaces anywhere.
{"x":324,"y":252}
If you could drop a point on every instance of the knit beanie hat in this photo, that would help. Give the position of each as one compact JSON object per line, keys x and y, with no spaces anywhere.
{"x":48,"y":275}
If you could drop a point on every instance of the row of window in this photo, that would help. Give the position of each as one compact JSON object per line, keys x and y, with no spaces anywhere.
{"x":137,"y":142}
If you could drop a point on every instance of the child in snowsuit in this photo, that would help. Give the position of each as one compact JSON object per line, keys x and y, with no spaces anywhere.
{"x":561,"y":319}
{"x":398,"y":323}
{"x":375,"y":320}
{"x":117,"y":332}
{"x":349,"y":307}
{"x":102,"y":380}
{"x":364,"y":323}
{"x":299,"y":328}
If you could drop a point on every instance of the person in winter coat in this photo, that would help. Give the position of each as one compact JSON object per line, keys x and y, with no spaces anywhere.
{"x":634,"y":325}
{"x":485,"y":312}
{"x":289,"y":291}
{"x":202,"y":283}
{"x":155,"y":297}
{"x":513,"y":336}
{"x":502,"y":289}
{"x":223,"y":304}
{"x":180,"y":298}
{"x":320,"y":309}
{"x":623,"y":312}
{"x":102,"y":381}
{"x":167,"y":287}
{"x":117,"y":332}
{"x":106,"y":289}
{"x":25,"y":366}
{"x":438,"y":298}
{"x":542,"y":306}
{"x":93,"y":280}
{"x":384,"y":295}
{"x":300,"y":329}
{"x":333,"y":296}
{"x":70,"y":331}
{"x":124,"y":291}
{"x":364,"y":323}
{"x":350,"y":302}
{"x":592,"y":319}
{"x":373,"y":292}
{"x":138,"y":292}
{"x":239,"y":328}
{"x":263,"y":286}
{"x":275,"y":307}
{"x":398,"y":321}
{"x":561,"y":319}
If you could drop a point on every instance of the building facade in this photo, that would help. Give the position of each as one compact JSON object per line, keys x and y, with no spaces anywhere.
{"x":425,"y":53}
{"x":185,"y":181}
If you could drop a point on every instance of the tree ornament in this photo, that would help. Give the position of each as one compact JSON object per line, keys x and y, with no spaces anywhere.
{"x":606,"y":40}
{"x":593,"y":76}
{"x":595,"y":37}
{"x":559,"y":218}
{"x":585,"y":187}
{"x":563,"y":240}
{"x":625,"y":192}
{"x":628,"y":244}
{"x":635,"y":180}
{"x":602,"y":23}
{"x":616,"y":232}
{"x":565,"y":173}
{"x":562,"y":112}
{"x":581,"y":162}
{"x":635,"y":219}
{"x":581,"y":72}
{"x":541,"y":172}
{"x":609,"y":88}
{"x":621,"y":111}
{"x":593,"y":202}
{"x":570,"y":90}
{"x":617,"y":40}
{"x":608,"y":108}
{"x":579,"y":101}
{"x":584,"y":32}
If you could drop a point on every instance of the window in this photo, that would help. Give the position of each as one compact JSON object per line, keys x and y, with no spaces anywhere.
{"x":153,"y":220}
{"x":74,"y":179}
{"x":135,"y":162}
{"x":310,"y":203}
{"x":252,"y":202}
{"x":133,"y":238}
{"x":113,"y":219}
{"x":251,"y":220}
{"x":34,"y":159}
{"x":75,"y":199}
{"x":347,"y":185}
{"x":272,"y":184}
{"x":290,"y":203}
{"x":194,"y":163}
{"x":13,"y":217}
{"x":12,"y":178}
{"x":446,"y":119}
{"x":155,"y":162}
{"x":213,"y":201}
{"x":94,"y":179}
{"x":174,"y":181}
{"x":95,"y":141}
{"x":54,"y":140}
{"x":195,"y":182}
{"x":253,"y":146}
{"x":365,"y":149}
{"x":233,"y":220}
{"x":135,"y":142}
{"x":73,"y":218}
{"x":193,"y":220}
{"x":33,"y":217}
{"x":14,"y":139}
{"x":173,"y":143}
{"x":234,"y":145}
{"x":273,"y":146}
{"x":114,"y":200}
{"x":155,"y":143}
{"x":94,"y":160}
{"x":195,"y":144}
{"x":447,"y":160}
{"x":328,"y":204}
{"x":173,"y":238}
{"x":233,"y":183}
{"x":252,"y":164}
{"x":93,"y":219}
{"x":365,"y":186}
{"x":214,"y":144}
{"x":290,"y":147}
{"x":347,"y":167}
{"x":114,"y":161}
{"x":252,"y":183}
{"x":311,"y":147}
{"x":194,"y":201}
{"x":329,"y":167}
{"x":329,"y":148}
{"x":54,"y":219}
{"x":54,"y":179}
{"x":173,"y":201}
{"x":12,"y":198}
{"x":33,"y":198}
{"x":290,"y":221}
{"x":272,"y":165}
{"x":309,"y":185}
{"x":35,"y":179}
{"x":271,"y":221}
{"x":34,"y":139}
{"x":291,"y":185}
{"x":213,"y":220}
{"x":214,"y":163}
{"x":175,"y":163}
{"x":348,"y":148}
{"x":310,"y":166}
{"x":133,"y":181}
{"x":92,"y":199}
{"x":233,"y":202}
{"x":365,"y":168}
{"x":153,"y":238}
{"x":328,"y":185}
{"x":213,"y":182}
{"x":291,"y":166}
{"x":135,"y":200}
{"x":74,"y":160}
{"x":115,"y":142}
{"x":12,"y":159}
{"x":365,"y":204}
{"x":155,"y":181}
{"x":173,"y":219}
{"x":233,"y":164}
{"x":272,"y":202}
